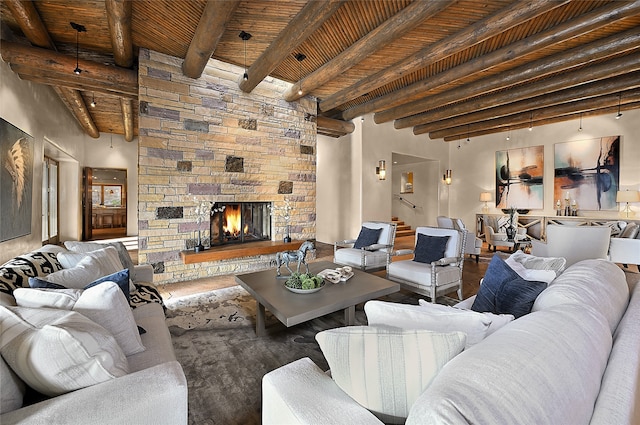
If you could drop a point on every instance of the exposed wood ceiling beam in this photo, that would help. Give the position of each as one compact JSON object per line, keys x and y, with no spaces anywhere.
{"x":308,"y":20}
{"x":25,"y":13}
{"x":27,"y":17}
{"x":331,"y":125}
{"x":599,"y":88}
{"x":524,"y":119}
{"x":508,"y":17}
{"x":554,"y":119}
{"x":74,"y":99}
{"x":119,"y":17}
{"x":464,"y":112}
{"x":211,"y":26}
{"x":564,"y":61}
{"x":402,"y":22}
{"x":569,"y":29}
{"x":71,"y":81}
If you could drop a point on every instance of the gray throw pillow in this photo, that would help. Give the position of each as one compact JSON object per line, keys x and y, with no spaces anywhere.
{"x":430,"y":248}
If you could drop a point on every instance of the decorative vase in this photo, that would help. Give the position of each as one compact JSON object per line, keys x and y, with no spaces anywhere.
{"x":199,"y":247}
{"x":511,"y":232}
{"x":287,"y":237}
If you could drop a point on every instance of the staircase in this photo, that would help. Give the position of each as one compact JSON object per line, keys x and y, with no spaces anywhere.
{"x":402,"y":229}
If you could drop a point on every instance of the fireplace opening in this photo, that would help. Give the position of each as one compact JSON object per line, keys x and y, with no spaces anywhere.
{"x":240,"y":222}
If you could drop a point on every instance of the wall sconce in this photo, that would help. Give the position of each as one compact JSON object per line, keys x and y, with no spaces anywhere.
{"x":627,"y":196}
{"x":485,"y":197}
{"x":381,"y":170}
{"x":446,"y":177}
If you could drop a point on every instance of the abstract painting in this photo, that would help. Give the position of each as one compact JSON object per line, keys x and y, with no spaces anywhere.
{"x":587,"y":173}
{"x":16,"y":181}
{"x":519,"y":178}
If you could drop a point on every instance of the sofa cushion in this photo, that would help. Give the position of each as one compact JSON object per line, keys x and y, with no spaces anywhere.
{"x":433,"y":317}
{"x":12,"y":389}
{"x":16,"y":272}
{"x":497,"y":320}
{"x":105,"y":304}
{"x":86,"y":247}
{"x":78,"y":281}
{"x":386,"y":370}
{"x":503,"y":291}
{"x":107,"y":259}
{"x":367,"y":237}
{"x":599,"y":284}
{"x":66,"y":351}
{"x":430,"y":248}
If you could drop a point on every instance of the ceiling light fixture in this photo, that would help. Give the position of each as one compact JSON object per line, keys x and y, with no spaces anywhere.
{"x":531,"y":122}
{"x":508,"y":133}
{"x":619,"y":113}
{"x":580,"y":128}
{"x":300,"y":57}
{"x":245,"y":36}
{"x":111,"y":144}
{"x":79,"y":28}
{"x":93,"y":100}
{"x":468,"y":139}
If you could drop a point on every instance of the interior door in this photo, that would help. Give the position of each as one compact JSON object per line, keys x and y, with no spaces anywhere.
{"x":87,"y":204}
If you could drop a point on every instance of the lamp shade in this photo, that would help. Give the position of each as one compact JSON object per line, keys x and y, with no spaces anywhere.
{"x":485,"y":196}
{"x":628,"y":196}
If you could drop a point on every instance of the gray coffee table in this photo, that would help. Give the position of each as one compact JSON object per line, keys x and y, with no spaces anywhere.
{"x":291,"y":308}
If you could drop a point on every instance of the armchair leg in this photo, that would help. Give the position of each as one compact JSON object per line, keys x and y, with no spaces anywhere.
{"x":459,"y":291}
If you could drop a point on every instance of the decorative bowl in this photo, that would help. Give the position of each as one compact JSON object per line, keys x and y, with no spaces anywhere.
{"x":305,"y":291}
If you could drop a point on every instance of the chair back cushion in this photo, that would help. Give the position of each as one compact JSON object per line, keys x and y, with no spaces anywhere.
{"x":577,"y":243}
{"x":453,"y":245}
{"x":386,"y":235}
{"x":444,"y":222}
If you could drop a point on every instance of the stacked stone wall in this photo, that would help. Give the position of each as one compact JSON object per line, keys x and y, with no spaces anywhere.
{"x":206,"y":140}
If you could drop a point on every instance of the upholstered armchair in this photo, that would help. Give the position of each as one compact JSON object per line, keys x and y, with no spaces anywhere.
{"x":436,"y":267}
{"x":625,"y":248}
{"x":371,"y":250}
{"x":496,"y":234}
{"x":473,"y":244}
{"x":574,"y":243}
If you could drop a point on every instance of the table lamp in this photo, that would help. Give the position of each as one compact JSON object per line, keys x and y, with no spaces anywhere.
{"x":627,"y":196}
{"x":485,"y":197}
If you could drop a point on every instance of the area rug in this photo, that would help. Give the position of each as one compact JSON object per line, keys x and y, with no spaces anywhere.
{"x":215,"y":342}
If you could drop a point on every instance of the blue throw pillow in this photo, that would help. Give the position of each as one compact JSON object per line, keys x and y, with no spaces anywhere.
{"x":430,"y":248}
{"x":121,"y":278}
{"x":503,"y":291}
{"x":367,"y":237}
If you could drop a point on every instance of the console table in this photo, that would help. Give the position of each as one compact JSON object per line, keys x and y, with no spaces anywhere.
{"x":536,"y":225}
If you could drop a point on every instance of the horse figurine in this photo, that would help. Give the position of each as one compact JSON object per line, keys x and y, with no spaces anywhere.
{"x":285,"y":257}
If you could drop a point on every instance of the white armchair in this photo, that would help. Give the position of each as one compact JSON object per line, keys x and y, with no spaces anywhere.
{"x":437,"y":277}
{"x":625,"y":248}
{"x":496,"y":235}
{"x":367,"y":255}
{"x":574,"y":243}
{"x":473,"y":244}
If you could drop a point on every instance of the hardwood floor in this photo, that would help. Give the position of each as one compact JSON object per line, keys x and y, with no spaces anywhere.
{"x":471,"y":275}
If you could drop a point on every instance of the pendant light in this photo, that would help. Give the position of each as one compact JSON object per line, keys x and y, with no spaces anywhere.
{"x":531,"y":122}
{"x":79,"y":28}
{"x":300,"y":57}
{"x":619,"y":113}
{"x":93,"y":100}
{"x":580,"y":128}
{"x":245,"y":36}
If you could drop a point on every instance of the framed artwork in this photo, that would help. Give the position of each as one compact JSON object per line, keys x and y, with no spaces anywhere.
{"x":587,"y":173}
{"x":16,"y":181}
{"x":519,"y":178}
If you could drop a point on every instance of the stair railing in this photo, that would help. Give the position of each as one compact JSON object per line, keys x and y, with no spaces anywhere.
{"x":405,"y":201}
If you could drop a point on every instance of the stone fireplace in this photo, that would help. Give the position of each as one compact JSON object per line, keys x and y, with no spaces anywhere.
{"x":240,"y":222}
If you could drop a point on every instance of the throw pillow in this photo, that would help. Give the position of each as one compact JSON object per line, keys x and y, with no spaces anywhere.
{"x":104,"y":304}
{"x":15,"y":273}
{"x":631,"y":231}
{"x":386,"y":370}
{"x":367,"y":237}
{"x":430,"y":317}
{"x":503,"y":291}
{"x":531,"y":262}
{"x":85,"y":353}
{"x":85,"y":247}
{"x":546,"y":276}
{"x":430,"y":248}
{"x":121,"y":278}
{"x":497,"y":320}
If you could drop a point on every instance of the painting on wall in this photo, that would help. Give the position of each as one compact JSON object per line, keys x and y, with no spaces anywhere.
{"x":16,"y":181}
{"x":587,"y":173}
{"x":519,"y":178}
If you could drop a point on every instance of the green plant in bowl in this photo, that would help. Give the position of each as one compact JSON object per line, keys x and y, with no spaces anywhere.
{"x":304,"y":281}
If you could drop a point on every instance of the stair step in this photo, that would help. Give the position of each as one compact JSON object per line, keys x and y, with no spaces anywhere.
{"x":402,"y":227}
{"x":401,"y":233}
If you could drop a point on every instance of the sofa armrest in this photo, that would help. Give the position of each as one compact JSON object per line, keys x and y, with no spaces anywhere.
{"x":624,"y":251}
{"x":446,"y":261}
{"x":143,"y":273}
{"x":301,"y":393}
{"x":153,"y":396}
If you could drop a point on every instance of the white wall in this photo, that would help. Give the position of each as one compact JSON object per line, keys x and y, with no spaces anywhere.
{"x":473,"y":166}
{"x":123,"y":155}
{"x":38,"y":111}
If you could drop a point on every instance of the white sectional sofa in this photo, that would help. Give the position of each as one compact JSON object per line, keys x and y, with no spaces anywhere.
{"x":154,"y":391}
{"x":572,"y":360}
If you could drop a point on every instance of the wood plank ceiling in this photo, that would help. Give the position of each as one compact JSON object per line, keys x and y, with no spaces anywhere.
{"x":451,"y":69}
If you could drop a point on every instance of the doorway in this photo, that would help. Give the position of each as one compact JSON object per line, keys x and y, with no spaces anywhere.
{"x":50,"y":234}
{"x":104,"y":206}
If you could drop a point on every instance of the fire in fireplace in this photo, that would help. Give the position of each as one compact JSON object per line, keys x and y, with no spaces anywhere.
{"x":240,"y":222}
